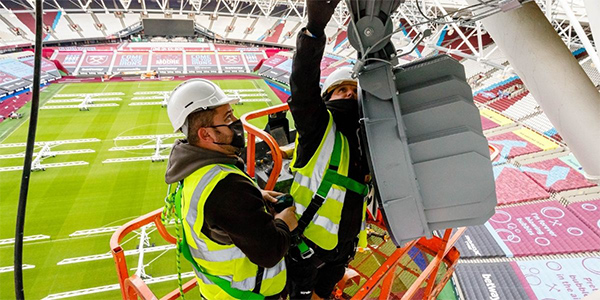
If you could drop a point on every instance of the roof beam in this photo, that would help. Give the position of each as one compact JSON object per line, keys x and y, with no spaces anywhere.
{"x":266,"y":6}
{"x":230,"y":5}
{"x":85,"y":4}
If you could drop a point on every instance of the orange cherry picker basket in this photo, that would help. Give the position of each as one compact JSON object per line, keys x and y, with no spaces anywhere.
{"x":418,"y":270}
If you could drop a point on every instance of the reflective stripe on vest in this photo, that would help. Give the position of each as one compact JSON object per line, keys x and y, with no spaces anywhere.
{"x":249,"y":283}
{"x":225,"y":261}
{"x":324,"y":227}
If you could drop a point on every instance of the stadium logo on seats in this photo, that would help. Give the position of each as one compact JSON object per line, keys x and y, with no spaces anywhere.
{"x":231,"y":59}
{"x":71,"y":59}
{"x":131,"y":60}
{"x":168,"y":60}
{"x":201,"y":59}
{"x":96,"y":59}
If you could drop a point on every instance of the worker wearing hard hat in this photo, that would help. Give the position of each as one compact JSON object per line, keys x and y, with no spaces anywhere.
{"x":329,"y":185}
{"x":236,"y":244}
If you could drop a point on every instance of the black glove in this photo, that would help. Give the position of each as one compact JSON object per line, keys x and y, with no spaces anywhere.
{"x":319,"y":14}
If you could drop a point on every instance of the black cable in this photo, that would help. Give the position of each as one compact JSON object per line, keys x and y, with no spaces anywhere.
{"x":35,"y":100}
{"x":422,"y":13}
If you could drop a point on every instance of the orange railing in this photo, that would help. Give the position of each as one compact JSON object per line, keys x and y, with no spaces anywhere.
{"x":133,"y":286}
{"x":254,"y":132}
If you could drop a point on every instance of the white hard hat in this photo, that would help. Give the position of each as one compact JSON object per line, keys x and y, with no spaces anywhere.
{"x":338,"y":77}
{"x":192,"y":95}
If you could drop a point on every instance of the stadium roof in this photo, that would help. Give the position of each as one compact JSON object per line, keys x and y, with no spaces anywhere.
{"x":413,"y":17}
{"x":265,"y":7}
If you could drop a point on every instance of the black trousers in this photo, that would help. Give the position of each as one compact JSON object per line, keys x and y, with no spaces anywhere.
{"x":319,"y":273}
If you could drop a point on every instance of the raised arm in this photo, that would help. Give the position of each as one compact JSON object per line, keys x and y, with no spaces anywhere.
{"x":306,"y":105}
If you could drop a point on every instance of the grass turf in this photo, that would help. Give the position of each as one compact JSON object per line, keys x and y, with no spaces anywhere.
{"x":64,"y":200}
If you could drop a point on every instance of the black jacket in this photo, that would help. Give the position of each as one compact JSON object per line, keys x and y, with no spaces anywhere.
{"x":234,"y":212}
{"x":311,"y":117}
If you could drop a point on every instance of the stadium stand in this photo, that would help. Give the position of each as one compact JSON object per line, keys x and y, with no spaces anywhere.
{"x":111,"y":23}
{"x":260,"y":29}
{"x":491,"y":92}
{"x":203,"y":20}
{"x":220,"y":25}
{"x":240,"y":28}
{"x":541,"y":124}
{"x":554,"y":175}
{"x":513,"y":186}
{"x":272,"y":35}
{"x":66,"y":31}
{"x":288,"y":34}
{"x":18,"y":33}
{"x":130,"y":19}
{"x":523,"y":108}
{"x":86,"y":24}
{"x":17,"y":70}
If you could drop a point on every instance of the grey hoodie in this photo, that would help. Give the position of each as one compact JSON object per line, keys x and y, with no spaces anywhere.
{"x":185,"y":159}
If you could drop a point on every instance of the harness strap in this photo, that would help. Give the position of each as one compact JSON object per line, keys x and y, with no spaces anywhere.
{"x":220,"y":282}
{"x":330,"y":178}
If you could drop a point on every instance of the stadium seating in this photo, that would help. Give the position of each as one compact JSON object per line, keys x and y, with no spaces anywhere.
{"x":65,"y":31}
{"x":260,"y":29}
{"x":523,"y":108}
{"x":16,"y":72}
{"x":8,"y":34}
{"x":288,"y":35}
{"x":86,"y":23}
{"x":130,"y":19}
{"x":487,"y":94}
{"x":110,"y":22}
{"x":541,"y":124}
{"x":219,"y":26}
{"x":239,"y":27}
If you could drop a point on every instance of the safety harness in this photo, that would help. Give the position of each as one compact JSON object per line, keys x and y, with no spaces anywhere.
{"x":173,"y":208}
{"x":330,"y":178}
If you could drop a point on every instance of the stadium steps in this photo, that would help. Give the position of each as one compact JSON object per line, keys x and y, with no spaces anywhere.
{"x":98,"y":24}
{"x":212,"y":21}
{"x":231,"y":27}
{"x":29,"y":21}
{"x":290,"y":34}
{"x":72,"y":25}
{"x":250,"y":29}
{"x":273,"y":34}
{"x":10,"y":25}
{"x":120,"y":17}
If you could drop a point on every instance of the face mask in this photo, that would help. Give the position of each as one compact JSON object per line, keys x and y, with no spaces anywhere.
{"x":237,"y":128}
{"x":345,"y":114}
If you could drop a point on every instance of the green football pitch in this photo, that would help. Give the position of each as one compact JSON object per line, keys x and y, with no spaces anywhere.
{"x":73,"y":210}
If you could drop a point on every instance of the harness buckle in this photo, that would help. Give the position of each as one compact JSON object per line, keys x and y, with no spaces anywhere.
{"x":307,"y":254}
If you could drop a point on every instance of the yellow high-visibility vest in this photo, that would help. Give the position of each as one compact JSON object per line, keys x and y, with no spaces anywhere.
{"x":324,"y":227}
{"x":225,"y":261}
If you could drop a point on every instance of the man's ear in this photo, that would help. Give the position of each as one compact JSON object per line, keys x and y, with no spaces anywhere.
{"x":204,"y":135}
